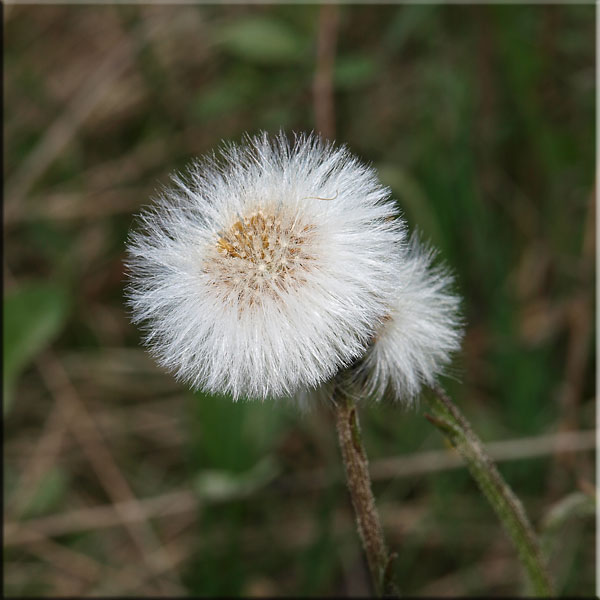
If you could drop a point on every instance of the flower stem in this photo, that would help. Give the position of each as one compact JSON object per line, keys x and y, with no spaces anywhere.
{"x":451,"y":422}
{"x":359,"y":484}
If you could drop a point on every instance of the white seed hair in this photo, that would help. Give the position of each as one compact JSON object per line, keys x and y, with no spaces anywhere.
{"x":267,"y":268}
{"x":416,"y":341}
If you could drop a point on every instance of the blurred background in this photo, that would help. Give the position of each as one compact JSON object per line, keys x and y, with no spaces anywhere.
{"x":118,"y":480}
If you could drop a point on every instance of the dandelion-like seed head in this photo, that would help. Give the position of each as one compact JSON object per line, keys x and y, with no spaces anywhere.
{"x":417,"y":337}
{"x":266,"y":268}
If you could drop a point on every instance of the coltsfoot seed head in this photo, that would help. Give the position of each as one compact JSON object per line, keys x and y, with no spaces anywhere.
{"x":267,"y":268}
{"x":418,"y":336}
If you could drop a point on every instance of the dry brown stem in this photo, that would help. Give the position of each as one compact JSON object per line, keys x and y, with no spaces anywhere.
{"x":359,"y":484}
{"x":323,"y":80}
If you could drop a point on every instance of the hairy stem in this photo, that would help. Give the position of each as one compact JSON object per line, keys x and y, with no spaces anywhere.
{"x":359,"y":484}
{"x":450,"y":421}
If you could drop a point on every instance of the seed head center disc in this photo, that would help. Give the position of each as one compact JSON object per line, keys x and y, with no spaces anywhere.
{"x":263,"y":250}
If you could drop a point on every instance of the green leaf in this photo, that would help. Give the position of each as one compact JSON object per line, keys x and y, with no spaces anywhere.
{"x":261,"y":40}
{"x":34,"y":314}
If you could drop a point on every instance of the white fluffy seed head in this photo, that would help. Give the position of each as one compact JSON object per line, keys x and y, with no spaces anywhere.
{"x":266,"y":269}
{"x":417,"y":337}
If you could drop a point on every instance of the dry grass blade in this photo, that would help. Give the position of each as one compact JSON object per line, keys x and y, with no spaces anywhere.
{"x":132,"y":579}
{"x":65,"y":127}
{"x":78,"y":564}
{"x":521,"y":448}
{"x":98,"y":517}
{"x":93,"y":446}
{"x":43,"y":457}
{"x":184,"y":501}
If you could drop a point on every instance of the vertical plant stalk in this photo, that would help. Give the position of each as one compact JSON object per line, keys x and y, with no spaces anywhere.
{"x":359,"y":484}
{"x":323,"y":99}
{"x":450,"y":421}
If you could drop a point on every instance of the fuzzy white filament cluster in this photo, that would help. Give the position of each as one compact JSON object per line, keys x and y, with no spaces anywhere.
{"x":422,"y":330}
{"x":273,"y":265}
{"x":267,"y":269}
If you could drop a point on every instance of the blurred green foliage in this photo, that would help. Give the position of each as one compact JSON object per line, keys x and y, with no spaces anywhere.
{"x":479,"y":118}
{"x":262,"y":40}
{"x":34,"y":314}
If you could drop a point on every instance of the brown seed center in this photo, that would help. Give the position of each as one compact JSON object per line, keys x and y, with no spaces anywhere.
{"x":265,"y":241}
